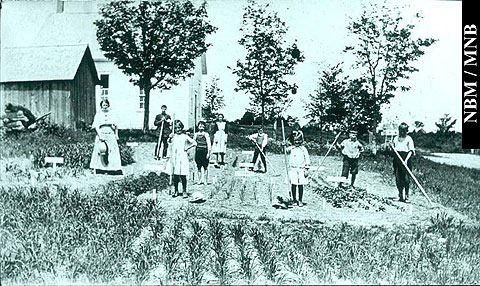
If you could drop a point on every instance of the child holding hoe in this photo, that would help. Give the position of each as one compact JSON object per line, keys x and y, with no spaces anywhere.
{"x":351,"y":149}
{"x":260,"y":140}
{"x":299,"y":163}
{"x":179,"y":166}
{"x":202,"y":152}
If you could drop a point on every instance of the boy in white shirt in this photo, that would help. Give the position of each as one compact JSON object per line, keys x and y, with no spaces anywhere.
{"x":351,"y":150}
{"x":261,"y":140}
{"x":406,"y":149}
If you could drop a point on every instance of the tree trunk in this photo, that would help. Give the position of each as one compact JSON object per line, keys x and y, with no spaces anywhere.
{"x":263,"y":111}
{"x":146,"y":113}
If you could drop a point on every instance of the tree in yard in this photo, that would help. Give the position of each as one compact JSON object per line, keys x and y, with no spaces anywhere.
{"x":269,"y":60}
{"x":445,"y":124}
{"x":155,"y":43}
{"x":385,"y":50}
{"x":214,"y":100}
{"x":341,"y":103}
{"x":327,"y":105}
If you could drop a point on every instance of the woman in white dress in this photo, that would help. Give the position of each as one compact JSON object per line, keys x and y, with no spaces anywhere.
{"x":179,"y":165}
{"x":219,"y":146}
{"x":106,"y":154}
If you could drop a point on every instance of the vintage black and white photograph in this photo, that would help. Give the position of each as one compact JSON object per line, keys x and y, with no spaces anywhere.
{"x":237,"y":142}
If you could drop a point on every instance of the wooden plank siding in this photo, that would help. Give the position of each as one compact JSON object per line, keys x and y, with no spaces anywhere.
{"x":83,"y":93}
{"x":40,"y":97}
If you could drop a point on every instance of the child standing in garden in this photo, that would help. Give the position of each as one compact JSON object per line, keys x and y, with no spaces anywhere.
{"x":179,"y":166}
{"x":299,"y":163}
{"x":351,"y":149}
{"x":202,"y":152}
{"x":220,"y":140}
{"x":260,"y":139}
{"x":403,"y":144}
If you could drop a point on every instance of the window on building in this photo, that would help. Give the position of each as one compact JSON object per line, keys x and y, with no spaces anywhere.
{"x":104,"y":84}
{"x":141,"y":99}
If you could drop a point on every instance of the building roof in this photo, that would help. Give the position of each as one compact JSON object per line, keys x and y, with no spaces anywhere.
{"x":43,"y":63}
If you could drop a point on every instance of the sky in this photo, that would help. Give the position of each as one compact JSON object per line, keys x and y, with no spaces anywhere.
{"x":320,"y":30}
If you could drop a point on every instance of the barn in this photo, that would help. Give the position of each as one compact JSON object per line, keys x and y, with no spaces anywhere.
{"x":52,"y":23}
{"x":59,"y":79}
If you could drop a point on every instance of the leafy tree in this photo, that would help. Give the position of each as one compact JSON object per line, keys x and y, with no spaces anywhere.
{"x":385,"y":50}
{"x":342,"y":103}
{"x":155,"y":43}
{"x":269,"y":60}
{"x":248,"y":118}
{"x":327,"y":105}
{"x":445,"y":124}
{"x":214,"y":100}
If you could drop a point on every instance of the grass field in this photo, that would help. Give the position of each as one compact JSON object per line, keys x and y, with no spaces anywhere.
{"x":69,"y":226}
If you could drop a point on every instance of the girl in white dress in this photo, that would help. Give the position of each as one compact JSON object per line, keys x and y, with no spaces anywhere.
{"x":106,"y":154}
{"x":220,"y":139}
{"x":299,"y":162}
{"x":179,"y":165}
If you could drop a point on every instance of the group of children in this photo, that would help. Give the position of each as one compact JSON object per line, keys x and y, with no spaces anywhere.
{"x":298,"y":163}
{"x":175,"y":145}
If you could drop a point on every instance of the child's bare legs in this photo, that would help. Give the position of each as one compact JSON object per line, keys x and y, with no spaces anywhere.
{"x":199,"y":175}
{"x":202,"y":179}
{"x":353,"y":179}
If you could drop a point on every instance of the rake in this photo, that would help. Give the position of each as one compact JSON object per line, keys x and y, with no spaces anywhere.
{"x":276,"y":174}
{"x":411,"y":174}
{"x":287,"y":179}
{"x":333,"y":178}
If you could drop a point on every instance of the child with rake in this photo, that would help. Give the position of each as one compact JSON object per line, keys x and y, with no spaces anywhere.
{"x":299,"y":163}
{"x":260,"y":140}
{"x":406,"y":149}
{"x":180,"y":143}
{"x":351,"y":149}
{"x":202,"y":152}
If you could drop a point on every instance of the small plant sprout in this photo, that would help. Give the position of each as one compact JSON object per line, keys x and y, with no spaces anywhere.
{"x":242,"y":192}
{"x":271,"y":185}
{"x":254,"y":191}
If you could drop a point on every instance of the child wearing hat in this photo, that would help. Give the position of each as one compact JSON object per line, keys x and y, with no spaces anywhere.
{"x":299,"y":162}
{"x":180,"y":143}
{"x":405,"y":148}
{"x":351,"y":149}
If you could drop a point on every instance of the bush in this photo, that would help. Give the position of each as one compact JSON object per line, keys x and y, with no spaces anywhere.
{"x":75,"y":146}
{"x":137,"y":135}
{"x":141,"y":184}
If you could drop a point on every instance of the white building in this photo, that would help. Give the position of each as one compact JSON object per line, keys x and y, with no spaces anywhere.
{"x":51,"y":23}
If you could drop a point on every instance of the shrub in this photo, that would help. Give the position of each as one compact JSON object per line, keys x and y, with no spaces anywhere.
{"x":75,"y":146}
{"x":141,"y":184}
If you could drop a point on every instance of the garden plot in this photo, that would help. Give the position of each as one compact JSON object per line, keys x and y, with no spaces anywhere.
{"x":372,"y":202}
